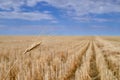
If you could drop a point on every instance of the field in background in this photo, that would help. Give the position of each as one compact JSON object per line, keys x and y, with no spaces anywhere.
{"x":59,"y":58}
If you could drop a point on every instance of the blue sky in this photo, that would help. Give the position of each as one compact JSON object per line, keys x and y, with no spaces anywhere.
{"x":59,"y":17}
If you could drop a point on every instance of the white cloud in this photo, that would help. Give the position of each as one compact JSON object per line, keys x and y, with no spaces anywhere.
{"x":8,"y":4}
{"x":26,"y":15}
{"x":18,"y":14}
{"x":88,"y":18}
{"x":79,"y":6}
{"x":70,"y":7}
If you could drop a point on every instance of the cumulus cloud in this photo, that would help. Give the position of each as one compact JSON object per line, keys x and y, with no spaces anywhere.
{"x":70,"y":7}
{"x":16,"y":13}
{"x":11,"y":4}
{"x":81,"y":7}
{"x":26,"y":15}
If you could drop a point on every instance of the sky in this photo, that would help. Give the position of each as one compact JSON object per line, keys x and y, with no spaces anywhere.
{"x":60,"y":17}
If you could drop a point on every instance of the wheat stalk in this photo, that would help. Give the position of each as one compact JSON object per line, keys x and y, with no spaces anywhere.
{"x":33,"y":46}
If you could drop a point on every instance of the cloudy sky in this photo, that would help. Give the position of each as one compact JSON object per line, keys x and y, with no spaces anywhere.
{"x":59,"y":17}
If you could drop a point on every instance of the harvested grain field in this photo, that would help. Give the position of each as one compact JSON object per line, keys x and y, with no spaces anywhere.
{"x":59,"y":58}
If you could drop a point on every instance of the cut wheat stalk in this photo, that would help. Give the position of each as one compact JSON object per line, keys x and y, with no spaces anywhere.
{"x":33,"y":46}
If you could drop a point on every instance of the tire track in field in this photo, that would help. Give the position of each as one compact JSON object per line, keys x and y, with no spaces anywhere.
{"x":73,"y":63}
{"x":105,"y":73}
{"x":59,"y":65}
{"x":76,"y":48}
{"x":112,"y":63}
{"x":94,"y":73}
{"x":82,"y":72}
{"x":54,"y":54}
{"x":70,"y":52}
